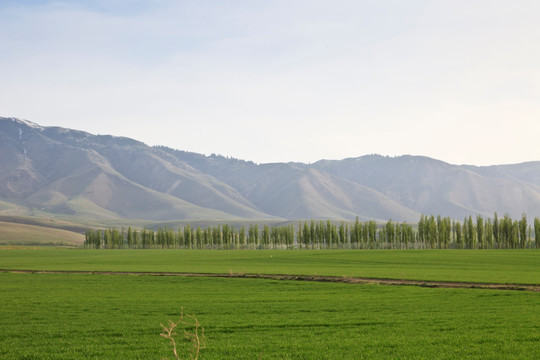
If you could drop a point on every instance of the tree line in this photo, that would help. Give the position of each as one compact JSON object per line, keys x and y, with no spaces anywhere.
{"x":431,"y":232}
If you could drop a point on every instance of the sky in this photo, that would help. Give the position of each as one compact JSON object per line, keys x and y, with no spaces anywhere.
{"x":282,"y":80}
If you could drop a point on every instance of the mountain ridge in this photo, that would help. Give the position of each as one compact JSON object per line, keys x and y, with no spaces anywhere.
{"x":74,"y":173}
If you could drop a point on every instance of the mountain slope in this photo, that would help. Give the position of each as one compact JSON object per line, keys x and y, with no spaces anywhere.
{"x":77,"y":174}
{"x":435,"y":187}
{"x":74,"y":173}
{"x":295,"y":191}
{"x":157,"y":170}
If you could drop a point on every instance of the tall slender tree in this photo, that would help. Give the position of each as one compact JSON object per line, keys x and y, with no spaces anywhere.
{"x":523,"y":231}
{"x":537,"y":232}
{"x":480,"y":231}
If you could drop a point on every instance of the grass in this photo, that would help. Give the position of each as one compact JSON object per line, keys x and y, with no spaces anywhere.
{"x":26,"y":234}
{"x":67,"y":316}
{"x":489,"y":266}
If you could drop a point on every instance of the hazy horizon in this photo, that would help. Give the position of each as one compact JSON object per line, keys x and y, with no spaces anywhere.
{"x":282,"y":81}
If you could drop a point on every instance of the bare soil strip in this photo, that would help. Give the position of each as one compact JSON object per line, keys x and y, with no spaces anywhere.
{"x":335,"y":279}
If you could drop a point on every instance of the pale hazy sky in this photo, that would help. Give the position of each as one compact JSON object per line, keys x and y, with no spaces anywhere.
{"x":291,"y":80}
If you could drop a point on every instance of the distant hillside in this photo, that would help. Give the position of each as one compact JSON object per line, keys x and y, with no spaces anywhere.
{"x":74,"y":174}
{"x":435,"y":187}
{"x":14,"y":233}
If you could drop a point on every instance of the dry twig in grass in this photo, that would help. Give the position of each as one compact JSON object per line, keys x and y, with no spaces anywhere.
{"x":193,"y":332}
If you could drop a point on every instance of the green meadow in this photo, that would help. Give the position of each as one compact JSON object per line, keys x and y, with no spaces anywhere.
{"x":97,"y":316}
{"x":81,"y":316}
{"x":488,"y":266}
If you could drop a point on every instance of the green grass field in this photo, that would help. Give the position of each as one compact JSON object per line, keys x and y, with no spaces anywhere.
{"x":77,"y":316}
{"x":85,"y":316}
{"x":489,"y":266}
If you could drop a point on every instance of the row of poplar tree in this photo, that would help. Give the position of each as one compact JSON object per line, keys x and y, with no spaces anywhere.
{"x":430,"y":233}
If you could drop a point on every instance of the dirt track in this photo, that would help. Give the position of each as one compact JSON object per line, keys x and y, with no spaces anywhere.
{"x":336,"y":279}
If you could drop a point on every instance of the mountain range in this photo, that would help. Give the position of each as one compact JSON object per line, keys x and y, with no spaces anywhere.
{"x":71,"y":173}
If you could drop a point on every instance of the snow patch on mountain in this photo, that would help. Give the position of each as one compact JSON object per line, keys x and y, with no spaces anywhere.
{"x":27,"y":123}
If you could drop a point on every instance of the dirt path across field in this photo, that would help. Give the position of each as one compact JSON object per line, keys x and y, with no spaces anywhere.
{"x":335,"y":279}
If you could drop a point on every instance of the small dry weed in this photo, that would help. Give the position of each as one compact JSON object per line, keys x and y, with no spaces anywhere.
{"x":192,"y":330}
